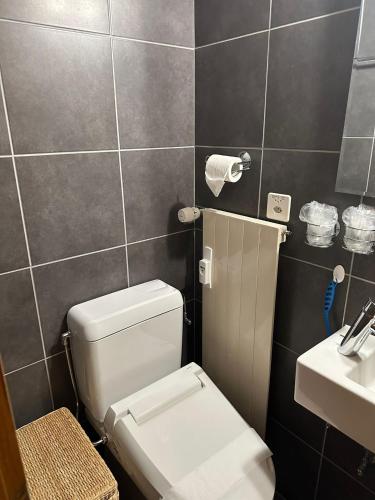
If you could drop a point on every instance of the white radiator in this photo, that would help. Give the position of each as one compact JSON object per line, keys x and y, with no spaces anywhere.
{"x":238,"y":311}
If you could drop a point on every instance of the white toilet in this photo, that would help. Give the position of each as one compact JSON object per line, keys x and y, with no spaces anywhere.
{"x":171,"y":428}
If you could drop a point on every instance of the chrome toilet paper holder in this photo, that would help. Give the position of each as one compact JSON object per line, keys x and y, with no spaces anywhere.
{"x":241,"y":166}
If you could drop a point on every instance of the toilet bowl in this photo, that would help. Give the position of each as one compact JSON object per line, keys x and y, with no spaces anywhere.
{"x":171,"y":428}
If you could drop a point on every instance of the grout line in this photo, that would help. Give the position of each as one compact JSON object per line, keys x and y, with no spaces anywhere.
{"x":320,"y":462}
{"x":259,"y":148}
{"x":309,"y":263}
{"x":246,"y":35}
{"x":5,"y":156}
{"x":264,"y":108}
{"x":352,"y":477}
{"x":286,"y":429}
{"x":78,"y":256}
{"x":34,"y":266}
{"x":2,"y":91}
{"x":97,"y":34}
{"x":15,"y":271}
{"x":286,"y":348}
{"x":356,"y":137}
{"x":278,"y":27}
{"x":59,"y":153}
{"x":161,"y":236}
{"x":23,"y":367}
{"x":362,"y":279}
{"x":347,"y":290}
{"x":316,"y":18}
{"x":119,"y":146}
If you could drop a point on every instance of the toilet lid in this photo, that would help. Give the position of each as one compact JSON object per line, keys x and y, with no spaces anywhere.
{"x":172,"y":427}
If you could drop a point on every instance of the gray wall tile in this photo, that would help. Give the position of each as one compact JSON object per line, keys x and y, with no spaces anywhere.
{"x":157,"y":184}
{"x":170,"y":259}
{"x":155,"y":105}
{"x":333,"y":483}
{"x":240,"y":197}
{"x":165,"y":21}
{"x":20,"y":342}
{"x":83,"y":15}
{"x":4,"y":139}
{"x":359,"y":293}
{"x":354,"y":165}
{"x":230,"y":92}
{"x":219,"y":19}
{"x":282,"y":406}
{"x":61,"y":385}
{"x":309,"y":73}
{"x":360,"y":111}
{"x":63,"y":82}
{"x":306,"y":177}
{"x":366,"y":46}
{"x":291,"y":454}
{"x":29,"y":393}
{"x":13,"y":254}
{"x":299,"y":321}
{"x":371,"y":180}
{"x":61,"y":285}
{"x":72,"y":204}
{"x":290,"y":11}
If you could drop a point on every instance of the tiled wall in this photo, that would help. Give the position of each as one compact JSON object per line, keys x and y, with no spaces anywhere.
{"x":96,"y":156}
{"x":273,"y":80}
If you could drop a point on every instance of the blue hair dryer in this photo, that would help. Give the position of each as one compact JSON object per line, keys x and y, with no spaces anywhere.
{"x":329,"y":297}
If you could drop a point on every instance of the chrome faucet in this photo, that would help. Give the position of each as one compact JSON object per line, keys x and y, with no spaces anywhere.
{"x":358,"y":333}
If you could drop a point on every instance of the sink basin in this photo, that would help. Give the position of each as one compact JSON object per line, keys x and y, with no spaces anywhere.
{"x":340,"y":389}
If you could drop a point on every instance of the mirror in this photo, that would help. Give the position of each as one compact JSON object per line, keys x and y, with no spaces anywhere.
{"x":356,"y":172}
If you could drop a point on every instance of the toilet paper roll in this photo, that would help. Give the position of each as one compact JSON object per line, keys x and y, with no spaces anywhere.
{"x":221,"y":169}
{"x":188,"y":214}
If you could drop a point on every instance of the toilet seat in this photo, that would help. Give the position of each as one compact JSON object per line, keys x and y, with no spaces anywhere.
{"x":180,"y":425}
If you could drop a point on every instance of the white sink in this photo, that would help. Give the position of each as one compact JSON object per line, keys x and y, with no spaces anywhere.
{"x":340,"y":389}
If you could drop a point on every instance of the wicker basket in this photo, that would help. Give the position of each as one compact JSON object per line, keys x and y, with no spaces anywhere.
{"x":60,"y":462}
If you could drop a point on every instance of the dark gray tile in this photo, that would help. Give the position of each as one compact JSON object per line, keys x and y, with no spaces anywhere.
{"x":299,"y":321}
{"x":366,"y":47}
{"x":306,"y":177}
{"x":333,"y":483}
{"x":155,"y":105}
{"x":364,"y":267}
{"x":348,"y":454}
{"x":308,"y":82}
{"x":157,"y":183}
{"x":92,"y":15}
{"x":72,"y":204}
{"x":165,"y":21}
{"x":230,"y":89}
{"x":61,"y":385}
{"x":360,"y":111}
{"x":29,"y":393}
{"x":240,"y":197}
{"x":4,"y":140}
{"x":296,"y":464}
{"x":218,"y":20}
{"x":290,"y":11}
{"x":61,"y":285}
{"x":281,"y":400}
{"x":354,"y":166}
{"x":170,"y":259}
{"x":359,"y":293}
{"x":20,"y":342}
{"x":61,"y":81}
{"x":188,"y":337}
{"x":13,"y":254}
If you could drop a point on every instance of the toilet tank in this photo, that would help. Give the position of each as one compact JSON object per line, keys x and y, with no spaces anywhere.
{"x":124,"y":341}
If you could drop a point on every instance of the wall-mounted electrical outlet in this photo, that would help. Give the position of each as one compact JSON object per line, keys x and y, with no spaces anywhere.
{"x":278,"y":206}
